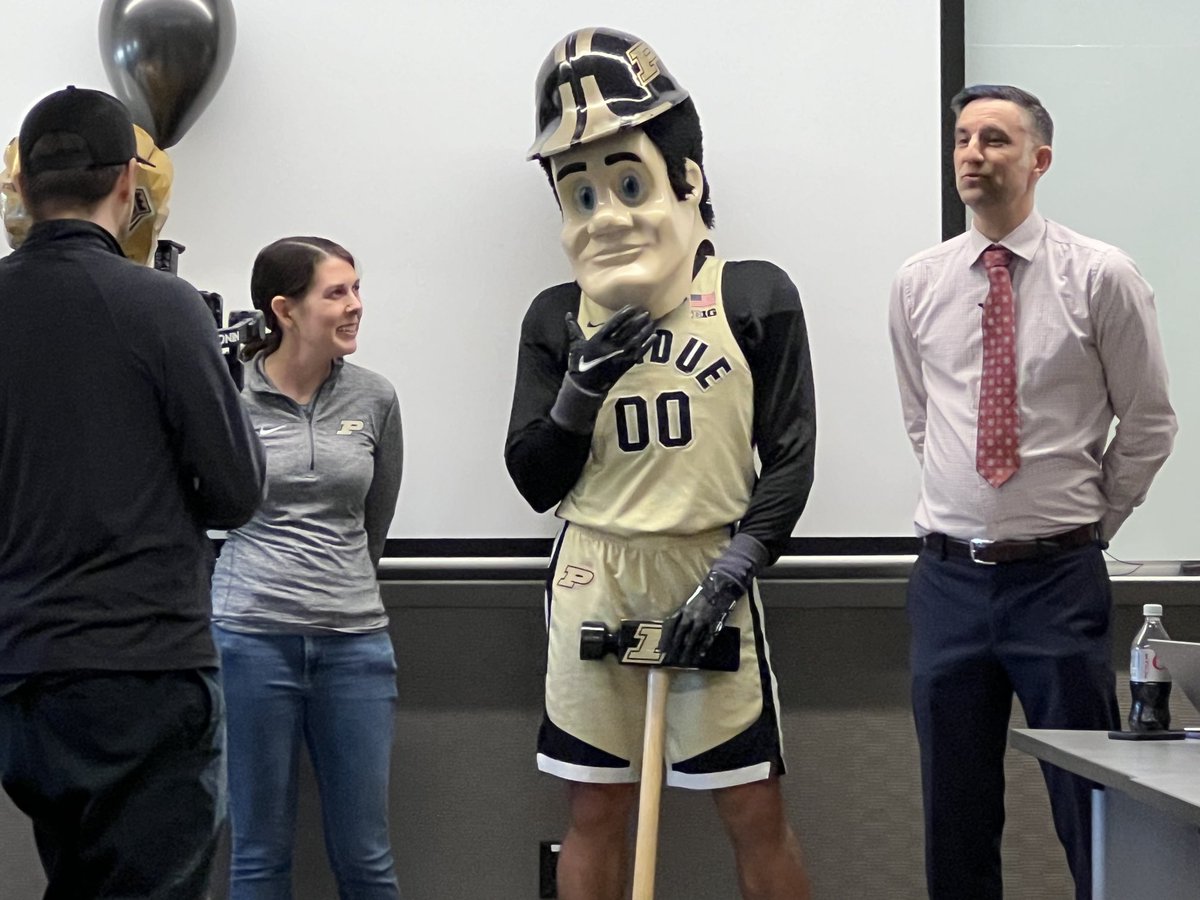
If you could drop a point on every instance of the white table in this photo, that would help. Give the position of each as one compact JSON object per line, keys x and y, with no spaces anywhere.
{"x":1146,"y":821}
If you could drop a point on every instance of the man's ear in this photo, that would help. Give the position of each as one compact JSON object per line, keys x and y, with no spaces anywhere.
{"x":127,"y":183}
{"x":694,"y":176}
{"x":1042,"y":157}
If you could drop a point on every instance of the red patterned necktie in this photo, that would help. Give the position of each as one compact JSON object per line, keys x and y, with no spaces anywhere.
{"x":996,"y":444}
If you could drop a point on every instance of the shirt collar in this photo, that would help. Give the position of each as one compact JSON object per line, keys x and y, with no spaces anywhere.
{"x":52,"y":230}
{"x":255,"y":374}
{"x":255,"y":377}
{"x":1023,"y":241}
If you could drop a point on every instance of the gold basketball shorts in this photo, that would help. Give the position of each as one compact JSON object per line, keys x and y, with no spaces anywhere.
{"x":722,"y":727}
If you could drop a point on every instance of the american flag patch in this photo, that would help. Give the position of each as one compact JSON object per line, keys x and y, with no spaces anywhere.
{"x":704,"y":306}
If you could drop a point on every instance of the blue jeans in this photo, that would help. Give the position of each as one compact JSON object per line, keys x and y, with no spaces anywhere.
{"x":336,"y":694}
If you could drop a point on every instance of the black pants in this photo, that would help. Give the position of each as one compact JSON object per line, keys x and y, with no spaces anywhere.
{"x":979,"y":634}
{"x":121,"y":773}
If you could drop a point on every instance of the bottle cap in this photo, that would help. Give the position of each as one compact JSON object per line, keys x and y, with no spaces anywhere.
{"x":1152,"y":609}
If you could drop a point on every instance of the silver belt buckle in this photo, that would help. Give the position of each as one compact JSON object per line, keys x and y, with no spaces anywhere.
{"x":976,"y":544}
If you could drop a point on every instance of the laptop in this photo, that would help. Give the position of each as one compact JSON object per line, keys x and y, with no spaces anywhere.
{"x":1183,"y":659}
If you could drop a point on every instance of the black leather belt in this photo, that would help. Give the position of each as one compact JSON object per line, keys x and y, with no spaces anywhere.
{"x":990,"y":553}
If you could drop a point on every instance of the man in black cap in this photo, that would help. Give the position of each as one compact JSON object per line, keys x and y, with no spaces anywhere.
{"x":122,"y":440}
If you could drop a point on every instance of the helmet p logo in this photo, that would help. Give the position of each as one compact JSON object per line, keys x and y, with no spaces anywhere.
{"x":645,"y":61}
{"x":574,"y":576}
{"x":349,"y":426}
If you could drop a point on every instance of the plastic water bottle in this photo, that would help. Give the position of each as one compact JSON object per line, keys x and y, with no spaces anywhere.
{"x":1149,"y":679}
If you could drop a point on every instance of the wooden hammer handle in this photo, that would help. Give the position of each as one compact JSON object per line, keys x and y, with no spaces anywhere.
{"x":658,"y":681}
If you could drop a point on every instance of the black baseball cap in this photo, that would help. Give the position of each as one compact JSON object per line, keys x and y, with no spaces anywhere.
{"x":100,"y":120}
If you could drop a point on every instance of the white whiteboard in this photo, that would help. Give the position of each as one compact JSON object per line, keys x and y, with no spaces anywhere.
{"x":400,"y":130}
{"x":1120,"y":81}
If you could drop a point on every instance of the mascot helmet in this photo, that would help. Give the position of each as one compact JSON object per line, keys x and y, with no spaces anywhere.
{"x":596,"y":82}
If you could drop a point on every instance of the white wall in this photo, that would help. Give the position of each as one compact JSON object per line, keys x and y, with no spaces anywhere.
{"x":400,"y":130}
{"x":1120,"y":81}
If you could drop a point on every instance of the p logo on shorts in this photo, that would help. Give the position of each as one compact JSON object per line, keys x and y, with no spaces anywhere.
{"x":349,"y":426}
{"x":574,"y":576}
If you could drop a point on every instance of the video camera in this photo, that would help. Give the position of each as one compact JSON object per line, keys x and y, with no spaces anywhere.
{"x":244,"y":324}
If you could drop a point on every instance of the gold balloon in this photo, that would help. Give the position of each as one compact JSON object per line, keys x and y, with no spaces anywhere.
{"x":151,"y":202}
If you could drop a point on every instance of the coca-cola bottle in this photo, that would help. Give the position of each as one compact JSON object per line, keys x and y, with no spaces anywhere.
{"x":1149,"y":679}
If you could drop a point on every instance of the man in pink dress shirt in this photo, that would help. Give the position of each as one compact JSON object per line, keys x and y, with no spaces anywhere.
{"x":1016,"y":345}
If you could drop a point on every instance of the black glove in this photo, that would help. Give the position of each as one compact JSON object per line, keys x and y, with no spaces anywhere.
{"x":597,"y":362}
{"x":690,"y":630}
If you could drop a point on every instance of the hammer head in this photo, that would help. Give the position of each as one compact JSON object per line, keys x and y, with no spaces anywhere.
{"x":636,"y":641}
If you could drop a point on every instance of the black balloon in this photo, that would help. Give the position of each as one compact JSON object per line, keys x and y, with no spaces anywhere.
{"x":166,"y":59}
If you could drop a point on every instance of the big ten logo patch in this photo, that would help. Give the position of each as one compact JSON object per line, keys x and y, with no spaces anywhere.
{"x":576,"y":576}
{"x":704,"y":306}
{"x":349,"y":426}
{"x":645,"y":61}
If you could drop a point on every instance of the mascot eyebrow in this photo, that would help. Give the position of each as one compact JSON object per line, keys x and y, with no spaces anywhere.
{"x":570,"y":169}
{"x":611,"y":160}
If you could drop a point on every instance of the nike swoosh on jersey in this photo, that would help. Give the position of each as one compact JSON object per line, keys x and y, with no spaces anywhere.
{"x":586,"y":365}
{"x":264,"y":430}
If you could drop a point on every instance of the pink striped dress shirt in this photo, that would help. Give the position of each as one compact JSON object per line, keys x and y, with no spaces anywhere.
{"x":1088,"y":350}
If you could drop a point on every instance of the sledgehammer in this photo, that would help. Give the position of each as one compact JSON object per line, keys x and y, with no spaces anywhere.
{"x":636,"y":643}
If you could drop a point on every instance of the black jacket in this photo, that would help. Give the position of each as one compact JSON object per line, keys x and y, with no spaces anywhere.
{"x":122,"y":438}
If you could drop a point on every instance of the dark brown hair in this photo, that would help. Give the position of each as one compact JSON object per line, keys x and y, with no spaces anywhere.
{"x":285,"y":268}
{"x":1043,"y":125}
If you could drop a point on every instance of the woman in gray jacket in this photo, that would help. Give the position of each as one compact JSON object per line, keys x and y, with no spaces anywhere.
{"x":298,"y":618}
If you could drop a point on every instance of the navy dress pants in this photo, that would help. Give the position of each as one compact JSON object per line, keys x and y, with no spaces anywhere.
{"x":1039,"y":628}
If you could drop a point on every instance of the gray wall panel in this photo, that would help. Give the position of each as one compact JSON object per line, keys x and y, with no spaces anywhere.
{"x":469,"y":808}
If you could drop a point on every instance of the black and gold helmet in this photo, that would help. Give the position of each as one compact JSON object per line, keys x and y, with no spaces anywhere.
{"x":595,"y":82}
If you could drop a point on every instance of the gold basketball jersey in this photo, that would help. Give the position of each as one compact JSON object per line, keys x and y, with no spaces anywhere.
{"x":672,"y":451}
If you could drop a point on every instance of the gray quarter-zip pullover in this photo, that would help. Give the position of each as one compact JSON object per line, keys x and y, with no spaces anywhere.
{"x":306,"y":561}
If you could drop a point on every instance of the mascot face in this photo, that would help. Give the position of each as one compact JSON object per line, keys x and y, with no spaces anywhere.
{"x":629,"y":239}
